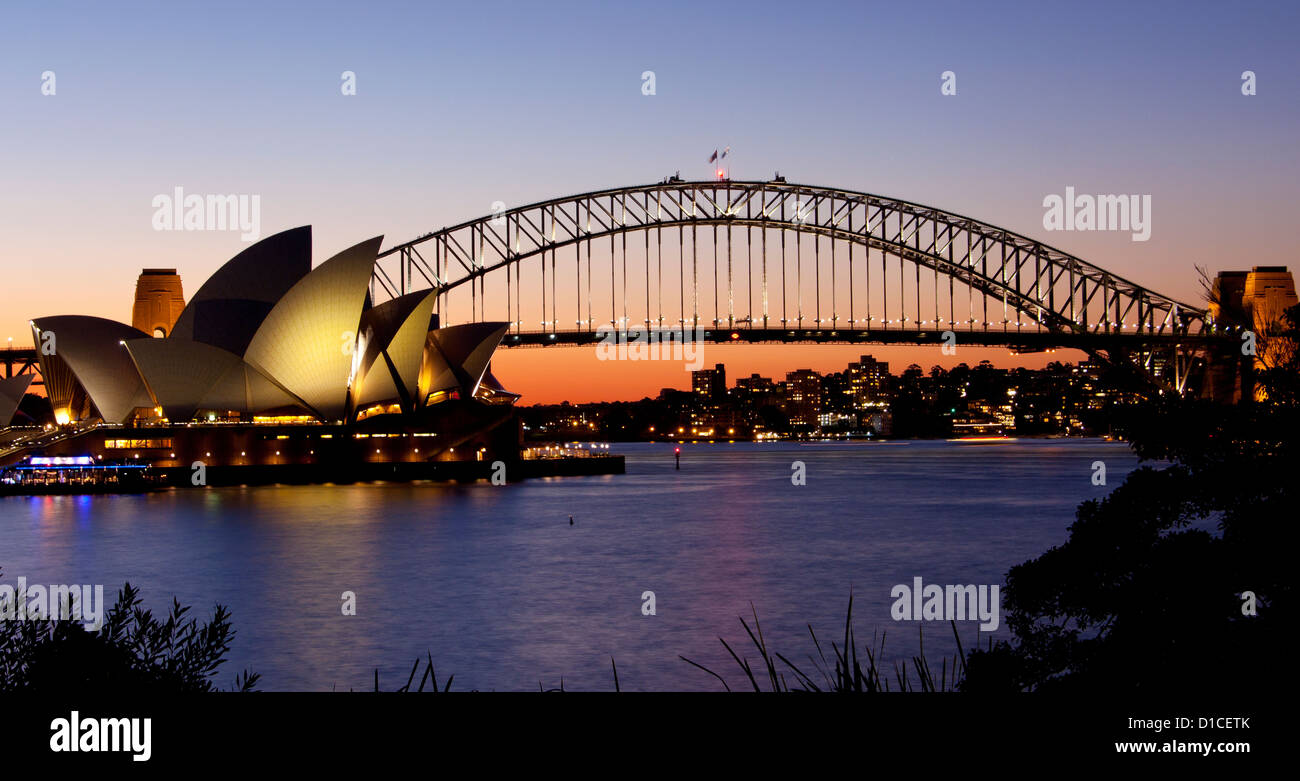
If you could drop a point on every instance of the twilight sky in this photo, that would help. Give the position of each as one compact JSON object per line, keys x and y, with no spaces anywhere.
{"x":460,"y":105}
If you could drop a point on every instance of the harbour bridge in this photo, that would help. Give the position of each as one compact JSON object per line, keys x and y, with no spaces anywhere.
{"x":770,"y":261}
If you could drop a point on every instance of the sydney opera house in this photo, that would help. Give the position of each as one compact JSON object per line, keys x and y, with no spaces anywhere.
{"x":275,"y":363}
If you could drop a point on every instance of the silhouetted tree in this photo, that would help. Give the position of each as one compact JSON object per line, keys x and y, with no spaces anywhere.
{"x":1148,"y":591}
{"x":131,"y":653}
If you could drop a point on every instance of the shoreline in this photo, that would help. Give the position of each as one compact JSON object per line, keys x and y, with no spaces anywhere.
{"x":316,"y":474}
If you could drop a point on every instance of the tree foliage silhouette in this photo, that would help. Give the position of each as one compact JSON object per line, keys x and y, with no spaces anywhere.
{"x":133,"y":652}
{"x":1146,"y":594}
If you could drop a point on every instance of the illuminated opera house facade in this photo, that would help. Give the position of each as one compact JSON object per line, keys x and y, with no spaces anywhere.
{"x":275,"y":363}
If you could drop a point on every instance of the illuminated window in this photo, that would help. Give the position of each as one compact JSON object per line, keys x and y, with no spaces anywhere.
{"x":138,"y":444}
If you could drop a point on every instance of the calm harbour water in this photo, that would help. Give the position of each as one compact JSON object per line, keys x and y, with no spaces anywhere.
{"x":505,"y":594}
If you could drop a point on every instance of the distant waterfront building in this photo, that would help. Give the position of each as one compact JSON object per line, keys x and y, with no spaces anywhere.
{"x":837,"y":421}
{"x":754,"y":385}
{"x":159,"y":300}
{"x":1085,"y":377}
{"x":868,"y":382}
{"x":803,"y":397}
{"x":836,"y":393}
{"x":881,"y":423}
{"x":710,"y":384}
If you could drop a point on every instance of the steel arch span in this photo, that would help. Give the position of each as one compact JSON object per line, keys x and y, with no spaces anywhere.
{"x":784,"y":262}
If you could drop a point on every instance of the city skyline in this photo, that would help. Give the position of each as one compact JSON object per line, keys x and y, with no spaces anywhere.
{"x":861,"y":400}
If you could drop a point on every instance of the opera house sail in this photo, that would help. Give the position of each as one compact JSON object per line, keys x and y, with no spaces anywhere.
{"x":12,"y":390}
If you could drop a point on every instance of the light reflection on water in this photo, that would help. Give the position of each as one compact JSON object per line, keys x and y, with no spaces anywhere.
{"x":495,"y":583}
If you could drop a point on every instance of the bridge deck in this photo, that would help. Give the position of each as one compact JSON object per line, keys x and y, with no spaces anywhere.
{"x":19,"y":360}
{"x":25,"y":359}
{"x":1036,"y":340}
